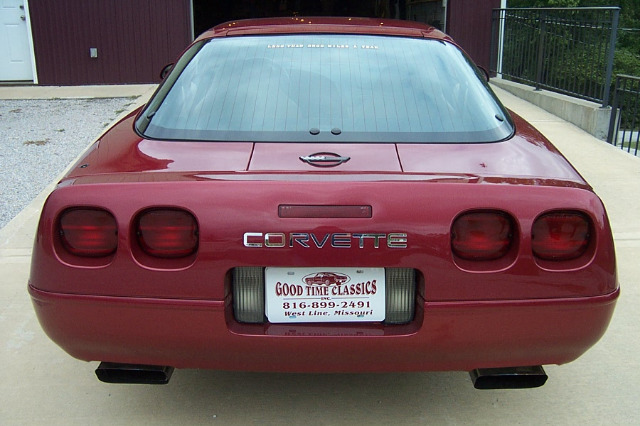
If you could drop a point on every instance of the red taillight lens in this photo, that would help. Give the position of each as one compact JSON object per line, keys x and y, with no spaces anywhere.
{"x":483,"y":235}
{"x":561,"y":235}
{"x":88,"y":232}
{"x":167,"y":233}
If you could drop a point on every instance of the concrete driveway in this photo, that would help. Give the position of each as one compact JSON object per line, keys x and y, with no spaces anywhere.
{"x":43,"y":385}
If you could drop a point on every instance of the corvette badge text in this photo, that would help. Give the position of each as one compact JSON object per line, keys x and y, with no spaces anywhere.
{"x":335,"y":240}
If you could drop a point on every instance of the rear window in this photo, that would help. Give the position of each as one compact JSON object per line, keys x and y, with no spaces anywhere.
{"x":325,"y":88}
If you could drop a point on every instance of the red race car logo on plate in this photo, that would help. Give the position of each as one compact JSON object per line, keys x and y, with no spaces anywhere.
{"x":326,"y":278}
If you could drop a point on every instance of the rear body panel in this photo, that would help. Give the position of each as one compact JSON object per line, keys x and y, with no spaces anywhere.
{"x":202,"y":334}
{"x":132,"y":308}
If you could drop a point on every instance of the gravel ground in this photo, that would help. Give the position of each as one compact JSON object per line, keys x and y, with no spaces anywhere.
{"x":38,"y":140}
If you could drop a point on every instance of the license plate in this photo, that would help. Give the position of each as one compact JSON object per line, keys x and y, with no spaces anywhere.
{"x":324,"y":294}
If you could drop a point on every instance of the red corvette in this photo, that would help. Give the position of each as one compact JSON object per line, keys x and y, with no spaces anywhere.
{"x":325,"y":278}
{"x":278,"y":149}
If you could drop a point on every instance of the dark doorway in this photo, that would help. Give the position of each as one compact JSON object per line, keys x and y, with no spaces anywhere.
{"x":209,"y":13}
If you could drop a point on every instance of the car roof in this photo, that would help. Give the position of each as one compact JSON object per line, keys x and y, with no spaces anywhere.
{"x":327,"y":25}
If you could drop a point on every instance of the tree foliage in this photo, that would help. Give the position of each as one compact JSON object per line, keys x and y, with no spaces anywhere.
{"x":627,"y":58}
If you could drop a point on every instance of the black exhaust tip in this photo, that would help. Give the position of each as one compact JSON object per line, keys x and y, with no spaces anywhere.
{"x":109,"y":372}
{"x":508,"y":378}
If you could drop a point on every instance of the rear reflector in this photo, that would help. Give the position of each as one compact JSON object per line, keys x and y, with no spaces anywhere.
{"x":167,"y":233}
{"x":401,"y":295}
{"x":482,"y":235}
{"x":249,"y":298}
{"x":248,"y":294}
{"x":88,"y":232}
{"x":562,"y":235}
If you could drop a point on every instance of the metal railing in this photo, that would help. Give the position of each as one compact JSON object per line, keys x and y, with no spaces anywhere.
{"x":566,"y":50}
{"x":624,"y":127}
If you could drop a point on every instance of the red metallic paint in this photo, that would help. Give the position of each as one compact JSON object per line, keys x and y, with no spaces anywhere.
{"x":202,"y":334}
{"x":424,"y":210}
{"x":528,"y":155}
{"x":512,"y":311}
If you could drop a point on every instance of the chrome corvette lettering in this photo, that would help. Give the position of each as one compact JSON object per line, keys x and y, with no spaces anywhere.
{"x":397,"y":240}
{"x":253,"y":236}
{"x":320,"y":244}
{"x":337,"y":240}
{"x":299,"y":238}
{"x":376,"y":239}
{"x":341,"y":240}
{"x":274,"y":239}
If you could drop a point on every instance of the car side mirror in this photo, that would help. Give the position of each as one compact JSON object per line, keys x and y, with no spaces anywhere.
{"x":166,"y":70}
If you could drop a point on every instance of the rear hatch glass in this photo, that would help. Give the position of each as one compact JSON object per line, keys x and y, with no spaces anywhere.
{"x":325,"y":88}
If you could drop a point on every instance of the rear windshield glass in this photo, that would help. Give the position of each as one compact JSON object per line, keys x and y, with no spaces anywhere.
{"x":326,"y":88}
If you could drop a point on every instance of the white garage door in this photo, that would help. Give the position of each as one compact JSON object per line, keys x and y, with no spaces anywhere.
{"x":15,"y":51}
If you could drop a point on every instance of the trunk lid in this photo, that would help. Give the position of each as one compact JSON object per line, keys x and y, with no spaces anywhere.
{"x":299,"y":157}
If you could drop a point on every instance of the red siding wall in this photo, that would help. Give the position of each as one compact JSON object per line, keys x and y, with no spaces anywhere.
{"x":469,"y":23}
{"x":134,"y":38}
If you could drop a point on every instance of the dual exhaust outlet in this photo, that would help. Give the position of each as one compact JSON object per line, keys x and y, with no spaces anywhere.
{"x":508,"y":378}
{"x":109,"y":372}
{"x":482,"y":378}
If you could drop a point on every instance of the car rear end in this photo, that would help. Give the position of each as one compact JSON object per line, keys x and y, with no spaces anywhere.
{"x":194,"y":241}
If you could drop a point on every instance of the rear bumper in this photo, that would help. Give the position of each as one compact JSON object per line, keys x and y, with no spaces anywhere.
{"x":203,"y":334}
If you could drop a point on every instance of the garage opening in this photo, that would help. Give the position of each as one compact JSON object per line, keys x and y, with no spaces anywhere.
{"x":208,"y":13}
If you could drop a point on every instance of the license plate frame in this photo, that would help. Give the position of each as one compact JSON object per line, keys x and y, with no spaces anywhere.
{"x":324,"y":294}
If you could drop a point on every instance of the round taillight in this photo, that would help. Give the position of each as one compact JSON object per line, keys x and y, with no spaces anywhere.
{"x":482,"y":235}
{"x":88,"y":232}
{"x":561,"y":235}
{"x":167,"y":233}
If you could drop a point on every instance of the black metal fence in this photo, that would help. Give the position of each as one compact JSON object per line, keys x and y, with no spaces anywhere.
{"x":566,"y":50}
{"x":624,"y":128}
